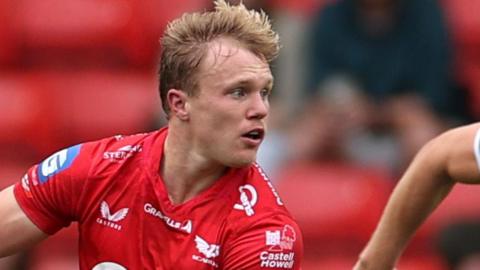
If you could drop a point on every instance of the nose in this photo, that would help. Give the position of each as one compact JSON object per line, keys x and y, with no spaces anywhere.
{"x":259,"y":107}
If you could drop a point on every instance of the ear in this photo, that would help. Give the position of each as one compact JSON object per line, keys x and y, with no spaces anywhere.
{"x":177,"y":101}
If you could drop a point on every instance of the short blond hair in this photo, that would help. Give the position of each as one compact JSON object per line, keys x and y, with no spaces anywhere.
{"x":184,"y":43}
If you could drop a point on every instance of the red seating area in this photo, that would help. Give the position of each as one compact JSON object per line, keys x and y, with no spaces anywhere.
{"x":8,"y":52}
{"x":463,"y":202}
{"x":337,"y":206}
{"x":93,"y":104}
{"x":107,"y":32}
{"x":47,"y":111}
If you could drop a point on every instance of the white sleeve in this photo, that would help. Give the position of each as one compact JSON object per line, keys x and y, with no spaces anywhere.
{"x":476,"y":148}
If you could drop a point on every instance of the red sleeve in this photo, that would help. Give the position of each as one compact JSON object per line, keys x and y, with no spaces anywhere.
{"x":50,"y":191}
{"x":273,"y":242}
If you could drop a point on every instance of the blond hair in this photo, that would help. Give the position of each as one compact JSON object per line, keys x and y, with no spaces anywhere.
{"x":184,"y":43}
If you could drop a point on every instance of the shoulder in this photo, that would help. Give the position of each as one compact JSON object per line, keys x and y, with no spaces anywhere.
{"x":260,"y":232}
{"x":258,"y":202}
{"x":268,"y":197}
{"x":120,"y":147}
{"x":116,"y":151}
{"x":90,"y":157}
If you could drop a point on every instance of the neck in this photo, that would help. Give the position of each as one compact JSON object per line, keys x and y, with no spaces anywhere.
{"x":184,"y":171}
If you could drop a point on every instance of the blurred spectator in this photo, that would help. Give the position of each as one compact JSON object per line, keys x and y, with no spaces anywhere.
{"x":464,"y":23}
{"x":398,"y":55}
{"x":323,"y":185}
{"x":459,"y":244}
{"x":391,"y":47}
{"x":291,"y":19}
{"x":332,"y":128}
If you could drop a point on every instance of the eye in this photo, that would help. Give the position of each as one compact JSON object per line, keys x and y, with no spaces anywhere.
{"x":265,"y":92}
{"x":238,"y":92}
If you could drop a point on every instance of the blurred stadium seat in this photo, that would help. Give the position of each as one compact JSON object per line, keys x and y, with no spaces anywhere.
{"x":8,"y":49}
{"x":53,"y":30}
{"x":11,"y":172}
{"x":462,"y":203}
{"x":105,"y":32}
{"x":422,"y":262}
{"x":92,"y":104}
{"x":22,"y":128}
{"x":51,"y":110}
{"x":17,"y":97}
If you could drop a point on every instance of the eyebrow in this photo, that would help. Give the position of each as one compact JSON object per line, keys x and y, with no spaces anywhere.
{"x":269,"y":82}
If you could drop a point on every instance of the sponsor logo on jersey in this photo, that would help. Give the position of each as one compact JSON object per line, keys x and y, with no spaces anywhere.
{"x":122,"y":153}
{"x":277,"y":260}
{"x":108,"y":266}
{"x":111,"y":220}
{"x":57,"y":162}
{"x":280,"y":248}
{"x":185,"y":226}
{"x":269,"y":183}
{"x":209,"y":252}
{"x":248,"y":199}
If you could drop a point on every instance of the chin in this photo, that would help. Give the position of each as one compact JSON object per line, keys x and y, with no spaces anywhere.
{"x":241,"y":162}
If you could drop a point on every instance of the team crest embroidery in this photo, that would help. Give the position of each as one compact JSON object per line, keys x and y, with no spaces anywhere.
{"x":280,"y":248}
{"x":111,"y":220}
{"x":248,"y":199}
{"x":208,"y":251}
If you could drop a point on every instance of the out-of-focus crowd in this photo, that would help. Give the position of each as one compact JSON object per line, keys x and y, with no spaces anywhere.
{"x":360,"y":86}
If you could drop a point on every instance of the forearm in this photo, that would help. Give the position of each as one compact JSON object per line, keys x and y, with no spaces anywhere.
{"x":420,"y":190}
{"x":447,"y":159}
{"x":17,"y":231}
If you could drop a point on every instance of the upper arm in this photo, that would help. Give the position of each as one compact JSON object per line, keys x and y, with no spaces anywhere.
{"x":273,"y":243}
{"x":50,"y":192}
{"x":17,"y":231}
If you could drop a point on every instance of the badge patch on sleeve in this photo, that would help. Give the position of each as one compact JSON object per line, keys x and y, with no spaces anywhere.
{"x":57,"y":162}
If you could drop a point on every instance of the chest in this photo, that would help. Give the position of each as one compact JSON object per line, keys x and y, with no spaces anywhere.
{"x":134,"y":228}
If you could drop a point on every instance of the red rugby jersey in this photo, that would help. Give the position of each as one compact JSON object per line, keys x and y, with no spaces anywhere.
{"x":112,"y":188}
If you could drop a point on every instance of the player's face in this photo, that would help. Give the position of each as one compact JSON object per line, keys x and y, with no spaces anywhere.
{"x":229,"y":108}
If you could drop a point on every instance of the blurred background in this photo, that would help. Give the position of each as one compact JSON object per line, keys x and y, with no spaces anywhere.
{"x":360,"y":85}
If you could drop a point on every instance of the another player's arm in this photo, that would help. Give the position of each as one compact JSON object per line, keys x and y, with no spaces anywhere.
{"x":17,"y":232}
{"x":441,"y":163}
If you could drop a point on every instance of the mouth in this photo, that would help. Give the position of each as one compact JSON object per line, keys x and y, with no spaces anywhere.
{"x":254,"y":136}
